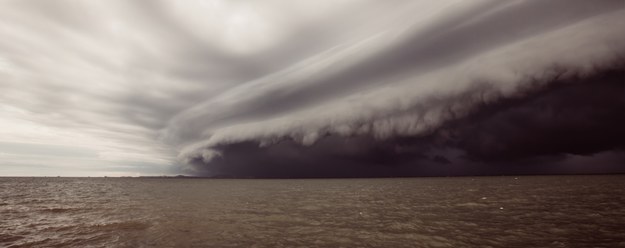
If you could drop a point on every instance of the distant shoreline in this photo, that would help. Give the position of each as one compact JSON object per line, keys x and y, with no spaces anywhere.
{"x":295,"y":178}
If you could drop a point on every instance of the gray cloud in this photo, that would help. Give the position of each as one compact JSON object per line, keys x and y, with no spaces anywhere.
{"x":413,"y":83}
{"x":205,"y":86}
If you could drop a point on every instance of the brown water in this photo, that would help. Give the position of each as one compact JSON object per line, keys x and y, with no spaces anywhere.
{"x":554,"y":211}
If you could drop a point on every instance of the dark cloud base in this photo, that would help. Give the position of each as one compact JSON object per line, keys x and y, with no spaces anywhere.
{"x":569,"y":126}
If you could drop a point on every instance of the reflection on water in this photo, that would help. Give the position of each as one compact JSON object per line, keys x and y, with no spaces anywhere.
{"x":554,"y":211}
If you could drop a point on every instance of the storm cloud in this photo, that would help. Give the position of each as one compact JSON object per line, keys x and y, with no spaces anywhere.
{"x":323,"y":89}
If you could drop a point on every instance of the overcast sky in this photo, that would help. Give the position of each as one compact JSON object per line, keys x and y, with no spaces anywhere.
{"x":241,"y":88}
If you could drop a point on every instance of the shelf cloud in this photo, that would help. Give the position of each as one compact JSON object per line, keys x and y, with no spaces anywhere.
{"x":323,"y":89}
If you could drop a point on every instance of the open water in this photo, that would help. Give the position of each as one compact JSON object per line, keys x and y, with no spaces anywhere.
{"x":528,"y":211}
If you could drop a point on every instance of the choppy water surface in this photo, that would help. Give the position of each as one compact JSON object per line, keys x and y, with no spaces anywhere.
{"x":553,"y":211}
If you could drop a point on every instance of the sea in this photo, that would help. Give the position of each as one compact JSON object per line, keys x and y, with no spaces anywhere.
{"x":523,"y":211}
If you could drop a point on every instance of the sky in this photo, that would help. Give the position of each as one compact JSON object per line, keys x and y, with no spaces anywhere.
{"x":299,"y":88}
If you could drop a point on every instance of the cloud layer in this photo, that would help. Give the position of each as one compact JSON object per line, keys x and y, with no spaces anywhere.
{"x":407,"y":81}
{"x":295,"y":88}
